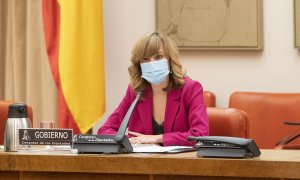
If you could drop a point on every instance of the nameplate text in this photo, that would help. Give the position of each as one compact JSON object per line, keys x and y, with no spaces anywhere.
{"x":42,"y":136}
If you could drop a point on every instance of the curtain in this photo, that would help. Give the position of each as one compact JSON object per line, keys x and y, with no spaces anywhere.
{"x":24,"y":67}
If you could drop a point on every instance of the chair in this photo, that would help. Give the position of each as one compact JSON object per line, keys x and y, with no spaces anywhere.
{"x":3,"y":116}
{"x":227,"y":122}
{"x":224,"y":121}
{"x":209,"y":99}
{"x":267,"y":113}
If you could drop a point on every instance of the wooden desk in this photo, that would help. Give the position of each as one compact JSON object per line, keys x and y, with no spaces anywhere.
{"x":277,"y":164}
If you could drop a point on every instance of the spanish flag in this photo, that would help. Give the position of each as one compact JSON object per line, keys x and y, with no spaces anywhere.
{"x":74,"y":41}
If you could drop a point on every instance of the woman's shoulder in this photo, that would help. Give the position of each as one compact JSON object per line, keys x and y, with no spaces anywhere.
{"x":190,"y":83}
{"x":190,"y":89}
{"x":130,"y":88}
{"x":130,"y":93}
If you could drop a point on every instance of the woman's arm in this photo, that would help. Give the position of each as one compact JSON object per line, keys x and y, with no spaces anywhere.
{"x":112,"y":124}
{"x":139,"y":138}
{"x":196,"y":117}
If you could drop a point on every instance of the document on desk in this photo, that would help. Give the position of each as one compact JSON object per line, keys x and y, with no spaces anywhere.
{"x":154,"y":148}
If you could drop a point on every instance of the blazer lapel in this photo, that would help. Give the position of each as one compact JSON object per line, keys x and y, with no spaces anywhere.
{"x":171,"y":109}
{"x":145,"y":111}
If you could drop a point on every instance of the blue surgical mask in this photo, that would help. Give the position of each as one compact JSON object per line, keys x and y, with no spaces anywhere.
{"x":155,"y":72}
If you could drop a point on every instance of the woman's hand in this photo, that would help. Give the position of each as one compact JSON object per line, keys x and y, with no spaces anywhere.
{"x":144,"y":139}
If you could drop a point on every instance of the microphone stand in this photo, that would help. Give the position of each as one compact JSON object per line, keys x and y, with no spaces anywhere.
{"x":122,"y":129}
{"x":118,"y":143}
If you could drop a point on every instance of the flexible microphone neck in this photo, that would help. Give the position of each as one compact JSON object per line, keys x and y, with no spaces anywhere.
{"x":122,"y":129}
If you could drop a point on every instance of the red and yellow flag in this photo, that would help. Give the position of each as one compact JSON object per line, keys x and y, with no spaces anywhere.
{"x":74,"y":40}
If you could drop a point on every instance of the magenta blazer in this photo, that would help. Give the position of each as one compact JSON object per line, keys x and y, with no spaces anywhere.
{"x":185,"y":114}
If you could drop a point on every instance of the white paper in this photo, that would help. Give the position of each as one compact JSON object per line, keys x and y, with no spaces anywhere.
{"x":154,"y":148}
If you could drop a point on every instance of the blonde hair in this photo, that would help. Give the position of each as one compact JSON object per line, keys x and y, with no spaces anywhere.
{"x":148,"y":46}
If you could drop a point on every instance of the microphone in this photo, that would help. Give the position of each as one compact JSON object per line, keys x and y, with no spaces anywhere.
{"x":119,"y":143}
{"x":122,"y":129}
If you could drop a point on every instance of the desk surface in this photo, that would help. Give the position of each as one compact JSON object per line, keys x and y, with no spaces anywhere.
{"x":271,"y":164}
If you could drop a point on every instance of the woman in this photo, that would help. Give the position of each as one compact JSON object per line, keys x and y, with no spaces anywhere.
{"x":171,"y":108}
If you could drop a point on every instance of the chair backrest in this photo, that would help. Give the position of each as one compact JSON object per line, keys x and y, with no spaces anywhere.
{"x":209,"y":99}
{"x":3,"y":116}
{"x":227,"y":122}
{"x":267,"y":113}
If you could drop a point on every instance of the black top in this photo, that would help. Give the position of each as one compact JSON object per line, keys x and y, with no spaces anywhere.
{"x":157,"y":128}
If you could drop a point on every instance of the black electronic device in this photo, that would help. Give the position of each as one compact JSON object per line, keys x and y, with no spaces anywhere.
{"x":223,"y":146}
{"x":119,"y":143}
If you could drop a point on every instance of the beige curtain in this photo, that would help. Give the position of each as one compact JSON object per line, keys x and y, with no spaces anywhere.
{"x":24,"y":68}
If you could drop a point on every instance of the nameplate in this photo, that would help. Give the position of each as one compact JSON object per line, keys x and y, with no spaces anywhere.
{"x":35,"y":136}
{"x":93,"y":139}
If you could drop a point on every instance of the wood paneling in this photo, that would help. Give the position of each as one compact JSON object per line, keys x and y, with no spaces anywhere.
{"x":271,"y":164}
